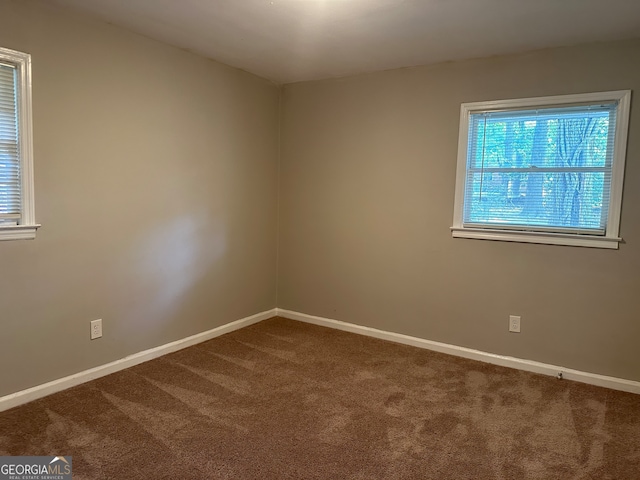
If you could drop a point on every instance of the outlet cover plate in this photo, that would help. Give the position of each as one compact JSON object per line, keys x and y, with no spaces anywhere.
{"x":514,"y":323}
{"x":96,"y":329}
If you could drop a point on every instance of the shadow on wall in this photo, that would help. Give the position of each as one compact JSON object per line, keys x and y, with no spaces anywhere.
{"x":166,"y":264}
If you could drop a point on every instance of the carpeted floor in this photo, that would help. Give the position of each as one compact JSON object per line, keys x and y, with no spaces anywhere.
{"x":287,"y":400}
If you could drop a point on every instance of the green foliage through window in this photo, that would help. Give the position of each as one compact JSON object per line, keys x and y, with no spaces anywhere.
{"x":547,"y":168}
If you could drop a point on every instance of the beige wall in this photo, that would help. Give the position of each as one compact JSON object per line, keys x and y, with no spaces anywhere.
{"x":366,"y":201}
{"x":156,"y":178}
{"x":156,"y":184}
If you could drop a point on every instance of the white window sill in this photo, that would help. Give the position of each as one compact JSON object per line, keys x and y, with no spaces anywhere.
{"x":18,"y":232}
{"x":573,"y":240}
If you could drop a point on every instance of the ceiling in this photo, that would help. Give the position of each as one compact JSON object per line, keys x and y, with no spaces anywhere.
{"x":296,"y":40}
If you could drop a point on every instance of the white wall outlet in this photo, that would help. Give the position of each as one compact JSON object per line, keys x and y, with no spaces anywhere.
{"x":96,"y":329}
{"x":514,"y":323}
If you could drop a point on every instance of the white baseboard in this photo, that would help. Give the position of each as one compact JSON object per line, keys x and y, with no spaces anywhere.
{"x":511,"y":362}
{"x":39,"y":391}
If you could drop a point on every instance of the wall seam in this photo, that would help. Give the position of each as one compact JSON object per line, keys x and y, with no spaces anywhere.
{"x":278,"y":176}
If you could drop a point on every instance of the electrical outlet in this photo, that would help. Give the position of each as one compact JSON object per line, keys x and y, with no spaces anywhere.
{"x":514,"y":323}
{"x":96,"y":329}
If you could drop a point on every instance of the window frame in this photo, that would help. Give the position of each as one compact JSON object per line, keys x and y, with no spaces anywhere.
{"x":27,"y":226}
{"x":610,"y":239}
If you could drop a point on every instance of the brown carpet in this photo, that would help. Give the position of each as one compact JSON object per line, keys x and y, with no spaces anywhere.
{"x":287,"y":400}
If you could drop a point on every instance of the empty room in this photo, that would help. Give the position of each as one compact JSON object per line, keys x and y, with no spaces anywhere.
{"x":320,"y":239}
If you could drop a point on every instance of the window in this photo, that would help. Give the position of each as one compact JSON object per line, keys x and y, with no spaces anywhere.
{"x":17,"y":216}
{"x":543,"y":170}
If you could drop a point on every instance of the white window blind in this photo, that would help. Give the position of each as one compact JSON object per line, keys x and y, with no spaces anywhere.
{"x":10,"y":183}
{"x":543,"y":169}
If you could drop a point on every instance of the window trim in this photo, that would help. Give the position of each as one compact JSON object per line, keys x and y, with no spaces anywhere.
{"x":26,"y":230}
{"x":611,"y":238}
